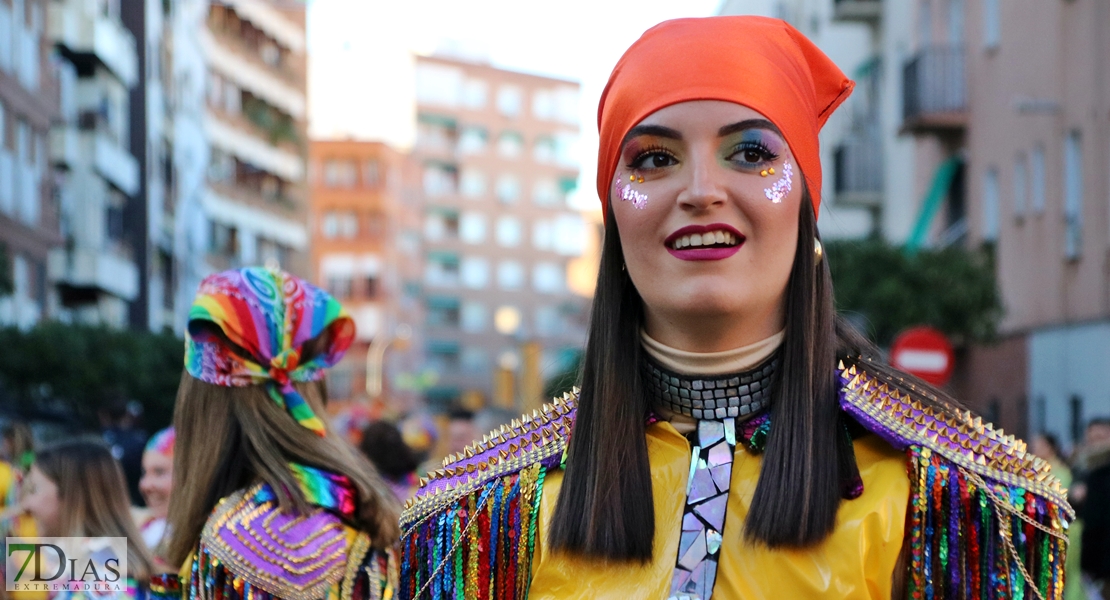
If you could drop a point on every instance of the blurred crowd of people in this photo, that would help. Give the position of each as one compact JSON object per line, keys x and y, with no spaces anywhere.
{"x":120,"y":483}
{"x":1086,"y":474}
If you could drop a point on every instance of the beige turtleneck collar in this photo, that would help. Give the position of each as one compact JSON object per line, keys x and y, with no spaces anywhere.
{"x":705,"y":363}
{"x":711,"y":363}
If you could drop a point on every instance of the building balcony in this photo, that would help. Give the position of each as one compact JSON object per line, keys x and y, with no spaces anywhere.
{"x":868,"y":11}
{"x":271,"y":22}
{"x":70,"y":147}
{"x":84,"y":32}
{"x":254,"y":150}
{"x":94,"y":271}
{"x":858,"y":169}
{"x":247,"y":219}
{"x":934,"y":91}
{"x":253,"y":77}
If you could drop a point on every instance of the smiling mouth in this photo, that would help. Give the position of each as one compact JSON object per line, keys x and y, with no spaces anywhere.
{"x":710,"y":239}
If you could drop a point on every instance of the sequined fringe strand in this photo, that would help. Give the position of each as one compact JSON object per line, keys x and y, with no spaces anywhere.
{"x":970,"y":538}
{"x":497,"y":523}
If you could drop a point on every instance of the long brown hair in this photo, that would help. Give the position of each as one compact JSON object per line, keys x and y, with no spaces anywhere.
{"x":229,"y":438}
{"x":93,"y":502}
{"x":604,"y":507}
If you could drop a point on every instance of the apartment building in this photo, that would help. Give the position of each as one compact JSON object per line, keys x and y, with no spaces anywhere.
{"x":366,"y":253}
{"x":28,"y":213}
{"x":98,"y":177}
{"x":255,"y":198}
{"x":495,"y":153}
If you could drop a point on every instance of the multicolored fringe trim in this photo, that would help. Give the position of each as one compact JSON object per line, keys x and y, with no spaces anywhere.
{"x":209,"y":579}
{"x":480,"y":546}
{"x":970,"y":538}
{"x":471,"y":530}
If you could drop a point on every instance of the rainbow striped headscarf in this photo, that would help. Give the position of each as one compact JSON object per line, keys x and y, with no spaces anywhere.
{"x":161,"y":442}
{"x":249,"y":326}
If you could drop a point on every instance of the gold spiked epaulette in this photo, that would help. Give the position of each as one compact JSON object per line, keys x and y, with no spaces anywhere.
{"x":532,"y":439}
{"x":905,"y":415}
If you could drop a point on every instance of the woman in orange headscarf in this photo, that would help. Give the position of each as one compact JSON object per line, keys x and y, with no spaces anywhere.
{"x":732,"y":438}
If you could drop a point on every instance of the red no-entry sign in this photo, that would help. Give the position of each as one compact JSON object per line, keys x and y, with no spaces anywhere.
{"x":924,"y":352}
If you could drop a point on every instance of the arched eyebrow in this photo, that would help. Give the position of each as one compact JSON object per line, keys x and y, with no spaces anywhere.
{"x":748,"y":124}
{"x":674,"y":134}
{"x":655,"y":130}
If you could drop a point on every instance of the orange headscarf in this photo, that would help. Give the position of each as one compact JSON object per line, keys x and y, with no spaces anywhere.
{"x":764,"y":64}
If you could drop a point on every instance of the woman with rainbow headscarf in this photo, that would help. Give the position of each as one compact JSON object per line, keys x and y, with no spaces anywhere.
{"x":732,"y":438}
{"x":268,"y":502}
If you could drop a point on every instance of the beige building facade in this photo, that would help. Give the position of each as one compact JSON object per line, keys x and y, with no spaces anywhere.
{"x":1009,"y":106}
{"x":494,"y":151}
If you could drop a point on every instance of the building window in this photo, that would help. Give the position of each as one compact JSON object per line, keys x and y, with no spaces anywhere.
{"x":223,"y":239}
{"x":340,"y":173}
{"x":438,"y":84}
{"x":990,"y":205}
{"x":439,"y":180}
{"x":509,"y":232}
{"x":441,"y":225}
{"x":547,"y":278}
{"x":475,"y":272}
{"x":543,"y":105}
{"x":443,"y":356}
{"x":1037,"y":186}
{"x":441,"y":269}
{"x":548,"y":321}
{"x":1075,"y":405}
{"x":371,"y":173}
{"x":545,"y":192}
{"x":473,"y":140}
{"x":510,"y":275}
{"x":339,"y":285}
{"x":510,"y":100}
{"x":474,"y":360}
{"x":992,"y":26}
{"x":510,"y":144}
{"x":442,"y":311}
{"x":542,"y":234}
{"x":472,"y":228}
{"x":473,"y":183}
{"x":508,"y":189}
{"x":473,"y":317}
{"x":474,"y":94}
{"x":543,"y":150}
{"x":1073,"y":195}
{"x":435,"y":132}
{"x":1021,"y":186}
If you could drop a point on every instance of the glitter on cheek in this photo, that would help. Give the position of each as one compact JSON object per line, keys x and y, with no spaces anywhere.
{"x":626,"y":193}
{"x":782,"y":187}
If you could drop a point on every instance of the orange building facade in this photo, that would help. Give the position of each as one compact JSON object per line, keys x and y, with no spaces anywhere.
{"x":366,"y":253}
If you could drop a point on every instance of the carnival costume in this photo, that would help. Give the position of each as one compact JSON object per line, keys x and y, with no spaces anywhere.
{"x":940,"y":505}
{"x":250,"y":547}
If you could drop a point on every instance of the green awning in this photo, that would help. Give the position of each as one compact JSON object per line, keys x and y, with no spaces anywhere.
{"x":440,"y":120}
{"x":938,"y":191}
{"x":442,"y":302}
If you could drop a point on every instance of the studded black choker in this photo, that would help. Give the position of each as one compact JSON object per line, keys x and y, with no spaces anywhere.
{"x":717,"y":397}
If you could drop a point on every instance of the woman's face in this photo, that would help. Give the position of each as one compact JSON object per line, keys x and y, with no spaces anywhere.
{"x":41,"y":501}
{"x":156,"y":483}
{"x":706,"y":197}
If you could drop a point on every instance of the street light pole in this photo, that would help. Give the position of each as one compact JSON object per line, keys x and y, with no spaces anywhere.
{"x":375,"y":359}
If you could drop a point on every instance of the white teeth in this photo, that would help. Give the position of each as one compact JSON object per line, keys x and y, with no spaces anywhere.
{"x":697,"y":240}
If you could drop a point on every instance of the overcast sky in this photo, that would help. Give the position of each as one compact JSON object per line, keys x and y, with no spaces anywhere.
{"x":360,"y":74}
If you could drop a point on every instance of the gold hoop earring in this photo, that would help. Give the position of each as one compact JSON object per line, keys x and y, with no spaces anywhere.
{"x":818,"y":250}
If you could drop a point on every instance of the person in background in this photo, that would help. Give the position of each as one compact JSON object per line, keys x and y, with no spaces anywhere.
{"x":254,"y":458}
{"x":18,"y":445}
{"x":1093,"y":463}
{"x":119,"y":422}
{"x":18,"y":454}
{"x":460,"y":430}
{"x":1046,"y":446}
{"x":384,"y":445}
{"x":76,"y":489}
{"x":156,"y":486}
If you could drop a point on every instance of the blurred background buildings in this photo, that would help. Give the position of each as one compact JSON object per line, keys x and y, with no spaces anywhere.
{"x":147,"y":143}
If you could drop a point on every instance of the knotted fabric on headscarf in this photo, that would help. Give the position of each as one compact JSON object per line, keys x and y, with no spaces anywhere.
{"x":764,"y":64}
{"x":162,"y":442}
{"x":267,"y":315}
